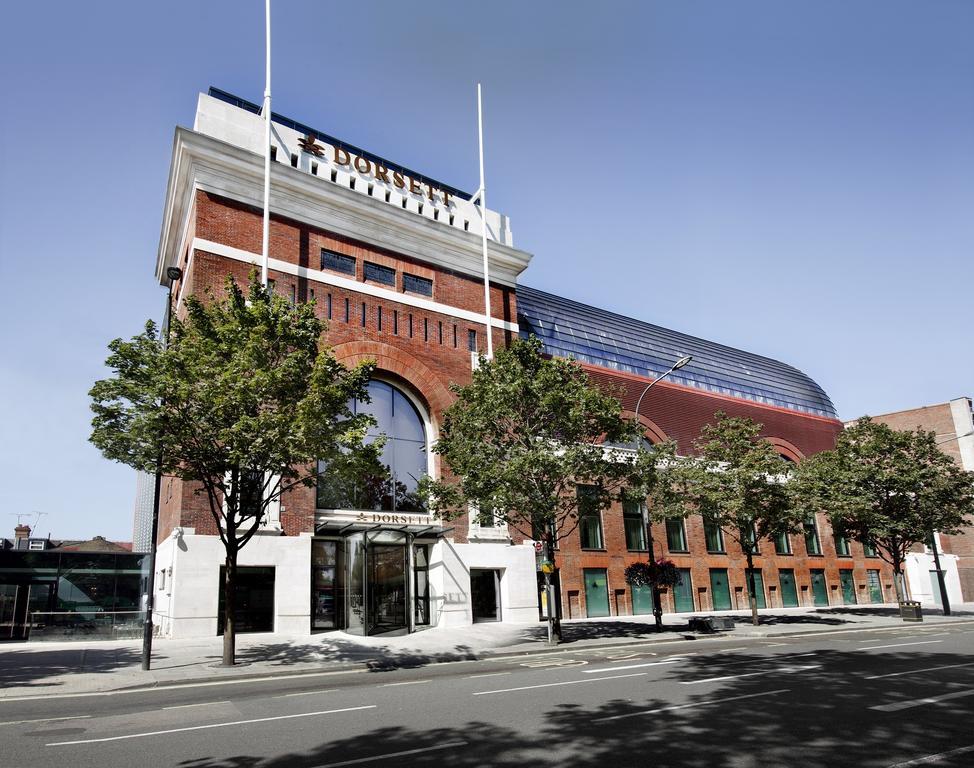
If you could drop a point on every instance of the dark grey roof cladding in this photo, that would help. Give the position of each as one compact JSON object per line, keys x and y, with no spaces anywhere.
{"x":590,"y":335}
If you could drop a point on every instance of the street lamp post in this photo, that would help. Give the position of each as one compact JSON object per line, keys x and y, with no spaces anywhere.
{"x":657,"y":604}
{"x":174,"y":274}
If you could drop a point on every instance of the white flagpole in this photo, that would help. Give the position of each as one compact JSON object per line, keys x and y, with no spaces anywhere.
{"x":483,"y":227}
{"x":267,"y":146}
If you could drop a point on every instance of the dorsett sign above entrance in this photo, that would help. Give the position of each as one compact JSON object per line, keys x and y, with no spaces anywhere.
{"x":374,"y":168}
{"x":372,"y":518}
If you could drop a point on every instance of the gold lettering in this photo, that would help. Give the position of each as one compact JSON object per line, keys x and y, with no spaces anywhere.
{"x":429,"y":192}
{"x":414,"y":187}
{"x":381,"y":172}
{"x":358,"y":165}
{"x":341,"y":157}
{"x":446,"y":198}
{"x":398,"y":180}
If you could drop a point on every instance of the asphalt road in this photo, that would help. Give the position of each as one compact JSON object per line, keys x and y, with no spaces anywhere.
{"x":899,"y":697}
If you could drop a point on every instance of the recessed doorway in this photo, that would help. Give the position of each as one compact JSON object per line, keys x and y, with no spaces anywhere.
{"x":485,"y":594}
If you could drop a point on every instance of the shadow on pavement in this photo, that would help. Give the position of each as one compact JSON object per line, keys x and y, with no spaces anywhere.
{"x":30,"y":668}
{"x":805,"y":712}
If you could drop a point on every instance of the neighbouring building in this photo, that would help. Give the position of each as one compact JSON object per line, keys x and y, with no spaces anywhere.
{"x":393,"y":261}
{"x":953,"y":426}
{"x":68,"y":589}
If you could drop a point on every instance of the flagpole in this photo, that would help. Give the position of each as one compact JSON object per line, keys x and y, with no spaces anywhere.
{"x":267,"y":146}
{"x":483,"y":228}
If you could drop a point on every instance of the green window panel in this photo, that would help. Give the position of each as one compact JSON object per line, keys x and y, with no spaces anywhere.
{"x":642,"y":599}
{"x":848,"y":587}
{"x":820,"y":592}
{"x":632,"y":519}
{"x":676,"y":535}
{"x":789,"y":592}
{"x":758,"y":587}
{"x":875,"y":588}
{"x":720,"y":589}
{"x":714,"y":536}
{"x":596,"y":592}
{"x":683,"y":593}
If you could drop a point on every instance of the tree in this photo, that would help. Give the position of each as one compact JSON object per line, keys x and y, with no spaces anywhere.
{"x":737,"y":481}
{"x":523,"y":441}
{"x":886,"y":487}
{"x":242,"y":401}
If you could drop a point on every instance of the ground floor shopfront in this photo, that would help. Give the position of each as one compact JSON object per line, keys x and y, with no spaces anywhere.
{"x":366,"y":579}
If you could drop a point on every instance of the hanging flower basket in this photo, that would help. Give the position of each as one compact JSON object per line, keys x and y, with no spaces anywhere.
{"x":662,"y":573}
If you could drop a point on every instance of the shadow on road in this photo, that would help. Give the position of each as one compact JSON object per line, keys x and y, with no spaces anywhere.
{"x":802,"y":712}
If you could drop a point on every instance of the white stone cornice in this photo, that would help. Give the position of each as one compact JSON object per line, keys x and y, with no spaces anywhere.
{"x":201,"y":162}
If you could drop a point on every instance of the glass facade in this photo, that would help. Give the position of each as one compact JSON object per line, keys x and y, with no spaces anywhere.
{"x":391,"y":486}
{"x":65,"y":595}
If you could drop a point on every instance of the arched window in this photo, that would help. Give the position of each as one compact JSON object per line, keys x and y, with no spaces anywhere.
{"x":391,"y":486}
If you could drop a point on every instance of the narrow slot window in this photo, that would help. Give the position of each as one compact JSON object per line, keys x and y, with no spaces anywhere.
{"x":436,"y":214}
{"x":472,"y":340}
{"x":348,"y":310}
{"x":388,"y":196}
{"x":371,"y":189}
{"x":454,"y":335}
{"x":274,"y":154}
{"x":395,"y":322}
{"x":334,"y":175}
{"x":426,"y":329}
{"x":420,"y":209}
{"x":404,"y":202}
{"x":363,"y":314}
{"x":329,"y":306}
{"x":314,"y":168}
{"x":294,"y":160}
{"x":466,"y":225}
{"x":452,"y":217}
{"x":410,"y":325}
{"x":440,"y":330}
{"x":311,"y":294}
{"x":378,"y":317}
{"x":351,"y":183}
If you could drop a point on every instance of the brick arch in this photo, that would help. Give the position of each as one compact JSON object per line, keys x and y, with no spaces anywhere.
{"x":389,"y":359}
{"x":789,"y":450}
{"x":651,"y":429}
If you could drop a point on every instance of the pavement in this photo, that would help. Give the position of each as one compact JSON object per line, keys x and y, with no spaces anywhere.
{"x":84,"y":667}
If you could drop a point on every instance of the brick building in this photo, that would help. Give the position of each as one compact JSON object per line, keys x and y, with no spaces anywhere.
{"x":393,"y":262}
{"x":953,"y":426}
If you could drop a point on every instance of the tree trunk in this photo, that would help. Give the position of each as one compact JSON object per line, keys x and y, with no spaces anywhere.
{"x":751,"y":591}
{"x":554,"y":626}
{"x":898,"y":579}
{"x":229,"y":610}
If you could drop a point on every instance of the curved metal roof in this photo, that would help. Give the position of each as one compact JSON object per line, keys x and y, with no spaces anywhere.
{"x":590,"y":335}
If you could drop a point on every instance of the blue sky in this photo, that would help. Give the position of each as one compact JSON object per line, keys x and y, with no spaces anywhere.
{"x":792,"y":178}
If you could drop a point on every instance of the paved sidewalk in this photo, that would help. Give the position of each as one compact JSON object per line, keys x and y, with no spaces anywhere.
{"x":37,"y":669}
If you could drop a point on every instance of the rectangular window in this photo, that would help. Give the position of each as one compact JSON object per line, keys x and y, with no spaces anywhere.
{"x":589,"y":519}
{"x":472,"y":340}
{"x":812,"y":544}
{"x":632,"y":519}
{"x":676,"y":535}
{"x":751,"y":540}
{"x":414,"y":284}
{"x":782,"y":544}
{"x":337,"y":262}
{"x":869,"y":549}
{"x":842,"y":546}
{"x":713,"y":535}
{"x":380,"y":274}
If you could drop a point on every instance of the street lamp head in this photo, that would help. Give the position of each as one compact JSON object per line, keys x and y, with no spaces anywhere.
{"x":174,"y":273}
{"x":681,"y":362}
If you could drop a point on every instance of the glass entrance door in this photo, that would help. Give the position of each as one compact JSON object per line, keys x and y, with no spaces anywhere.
{"x":596,"y":592}
{"x":386,"y":588}
{"x":642,"y":598}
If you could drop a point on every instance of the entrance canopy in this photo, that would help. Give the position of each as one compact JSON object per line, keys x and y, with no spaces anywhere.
{"x":346,"y":527}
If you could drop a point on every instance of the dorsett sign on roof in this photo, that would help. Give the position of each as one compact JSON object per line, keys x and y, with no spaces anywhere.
{"x":235,"y":120}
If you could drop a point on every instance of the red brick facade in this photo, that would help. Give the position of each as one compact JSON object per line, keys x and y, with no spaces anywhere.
{"x":427,"y":351}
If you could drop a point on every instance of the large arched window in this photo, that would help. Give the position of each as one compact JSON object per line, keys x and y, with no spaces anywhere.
{"x":392,"y":485}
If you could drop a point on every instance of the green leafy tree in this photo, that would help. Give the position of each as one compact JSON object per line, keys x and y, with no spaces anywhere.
{"x":737,"y":481}
{"x":889,"y":488}
{"x":241,"y":402}
{"x":523,"y":442}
